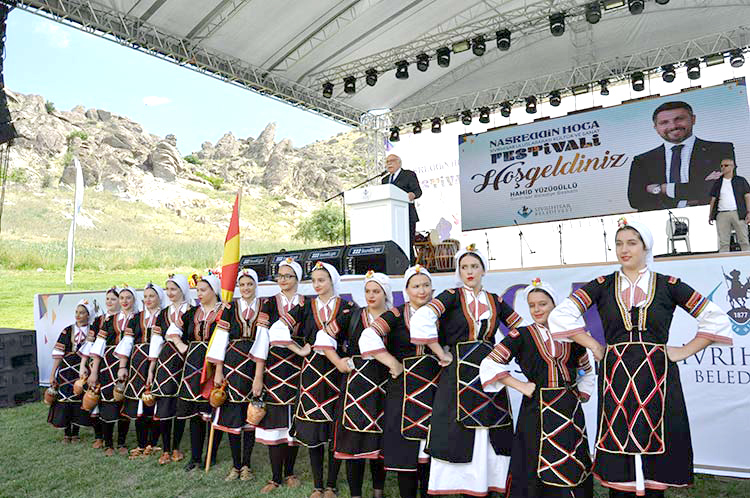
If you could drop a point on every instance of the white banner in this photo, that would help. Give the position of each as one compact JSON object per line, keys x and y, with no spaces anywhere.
{"x":716,"y":381}
{"x":77,"y":203}
{"x":605,"y":161}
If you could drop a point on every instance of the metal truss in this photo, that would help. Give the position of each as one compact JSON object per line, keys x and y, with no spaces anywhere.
{"x":616,"y":69}
{"x":135,"y":33}
{"x":483,"y":18}
{"x":374,"y":127}
{"x":330,"y":27}
{"x":215,"y":19}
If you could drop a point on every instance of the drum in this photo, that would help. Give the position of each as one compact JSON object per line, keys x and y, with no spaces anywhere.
{"x":444,"y":254}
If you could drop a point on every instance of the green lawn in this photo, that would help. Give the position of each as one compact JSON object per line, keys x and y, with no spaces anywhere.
{"x":36,"y":463}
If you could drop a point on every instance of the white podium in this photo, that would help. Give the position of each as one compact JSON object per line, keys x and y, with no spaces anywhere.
{"x":378,"y":213}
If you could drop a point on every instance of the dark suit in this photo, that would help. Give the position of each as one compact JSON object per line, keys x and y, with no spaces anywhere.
{"x":649,"y":168}
{"x":408,"y":182}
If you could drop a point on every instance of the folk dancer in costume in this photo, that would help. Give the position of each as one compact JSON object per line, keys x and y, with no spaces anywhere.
{"x":112,"y":306}
{"x":166,"y":354}
{"x":200,"y":322}
{"x":239,"y":351}
{"x":67,"y":357}
{"x":411,"y":388}
{"x":550,"y":456}
{"x":133,"y":350}
{"x":320,"y":380}
{"x":281,"y":380}
{"x":471,"y":432}
{"x":643,"y":443}
{"x":359,"y":419}
{"x":107,"y":369}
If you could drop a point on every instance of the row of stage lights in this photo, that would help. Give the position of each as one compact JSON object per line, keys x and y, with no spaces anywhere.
{"x":478,"y":44}
{"x":637,"y":81}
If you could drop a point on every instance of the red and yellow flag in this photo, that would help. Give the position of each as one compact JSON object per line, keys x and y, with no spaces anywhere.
{"x":230,"y":262}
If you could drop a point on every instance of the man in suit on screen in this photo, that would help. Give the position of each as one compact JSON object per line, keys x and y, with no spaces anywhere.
{"x":407,"y":181}
{"x":681,"y":171}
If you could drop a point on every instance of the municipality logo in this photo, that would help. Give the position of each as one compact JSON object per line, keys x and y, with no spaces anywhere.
{"x":737,"y":296}
{"x":525,"y":211}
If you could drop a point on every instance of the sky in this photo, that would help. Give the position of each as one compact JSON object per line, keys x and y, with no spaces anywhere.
{"x":69,"y":67}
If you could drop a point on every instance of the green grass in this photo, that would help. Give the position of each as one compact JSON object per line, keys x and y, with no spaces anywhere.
{"x":37,"y":464}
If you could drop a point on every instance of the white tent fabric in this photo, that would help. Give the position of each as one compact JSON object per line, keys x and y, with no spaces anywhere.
{"x":288,"y":49}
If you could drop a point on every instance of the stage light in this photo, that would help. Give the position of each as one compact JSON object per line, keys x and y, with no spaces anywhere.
{"x":714,"y":60}
{"x":593,"y":12}
{"x":736,"y":59}
{"x":478,"y":46}
{"x":484,"y":115}
{"x":554,"y":98}
{"x":668,"y":73}
{"x":350,"y":85}
{"x":444,"y":57}
{"x":662,"y":2}
{"x":635,"y":6}
{"x":638,"y":81}
{"x":580,"y":89}
{"x":557,"y":24}
{"x":328,"y":89}
{"x":461,"y":46}
{"x":693,"y":69}
{"x":395,"y":134}
{"x":417,"y":128}
{"x":402,"y":70}
{"x":613,"y":4}
{"x":531,"y":105}
{"x":503,"y":39}
{"x":436,"y":125}
{"x":371,"y":76}
{"x":604,"y":89}
{"x":423,"y":62}
{"x":505,"y":109}
{"x":451,"y":118}
{"x":466,"y":118}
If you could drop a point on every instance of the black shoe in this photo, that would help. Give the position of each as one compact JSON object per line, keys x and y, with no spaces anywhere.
{"x":191,"y":465}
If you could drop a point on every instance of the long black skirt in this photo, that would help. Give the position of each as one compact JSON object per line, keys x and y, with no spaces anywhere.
{"x":399,"y":453}
{"x":523,"y":481}
{"x":62,"y":413}
{"x":230,"y":417}
{"x":675,"y":465}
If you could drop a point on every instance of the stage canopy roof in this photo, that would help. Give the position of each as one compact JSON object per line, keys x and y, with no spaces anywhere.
{"x":288,"y":49}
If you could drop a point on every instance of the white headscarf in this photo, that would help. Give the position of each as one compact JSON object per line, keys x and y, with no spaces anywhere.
{"x":536,"y":285}
{"x":384,"y":282}
{"x":215,"y":284}
{"x":644,"y":232}
{"x":181,"y":281}
{"x":136,"y":303}
{"x":247,"y":272}
{"x":163,"y":301}
{"x":89,"y":307}
{"x":333,"y":272}
{"x":470,"y":249}
{"x":294,"y":266}
{"x":410,"y":272}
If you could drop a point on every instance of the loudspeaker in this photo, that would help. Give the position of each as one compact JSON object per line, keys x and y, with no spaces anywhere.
{"x":257,"y":262}
{"x":385,"y":257}
{"x":332,"y":255}
{"x":19,"y":372}
{"x":276,"y":258}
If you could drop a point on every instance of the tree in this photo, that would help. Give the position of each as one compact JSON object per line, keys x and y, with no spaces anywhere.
{"x":325,"y":223}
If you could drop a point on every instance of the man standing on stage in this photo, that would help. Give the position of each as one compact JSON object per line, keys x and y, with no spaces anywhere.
{"x":730,"y":197}
{"x":407,"y":181}
{"x":679,"y":172}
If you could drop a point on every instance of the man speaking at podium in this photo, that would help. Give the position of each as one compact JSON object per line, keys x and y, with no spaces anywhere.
{"x":682,"y":170}
{"x":407,"y":181}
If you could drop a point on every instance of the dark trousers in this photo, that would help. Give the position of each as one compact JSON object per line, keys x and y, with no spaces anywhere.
{"x":412,"y":233}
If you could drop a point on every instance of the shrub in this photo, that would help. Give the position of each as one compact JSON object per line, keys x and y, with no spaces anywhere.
{"x":325,"y":223}
{"x":193,"y":160}
{"x":50,"y":107}
{"x":216,"y":181}
{"x":77,"y":134}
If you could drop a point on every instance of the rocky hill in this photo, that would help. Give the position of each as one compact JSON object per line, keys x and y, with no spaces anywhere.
{"x":119,"y":156}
